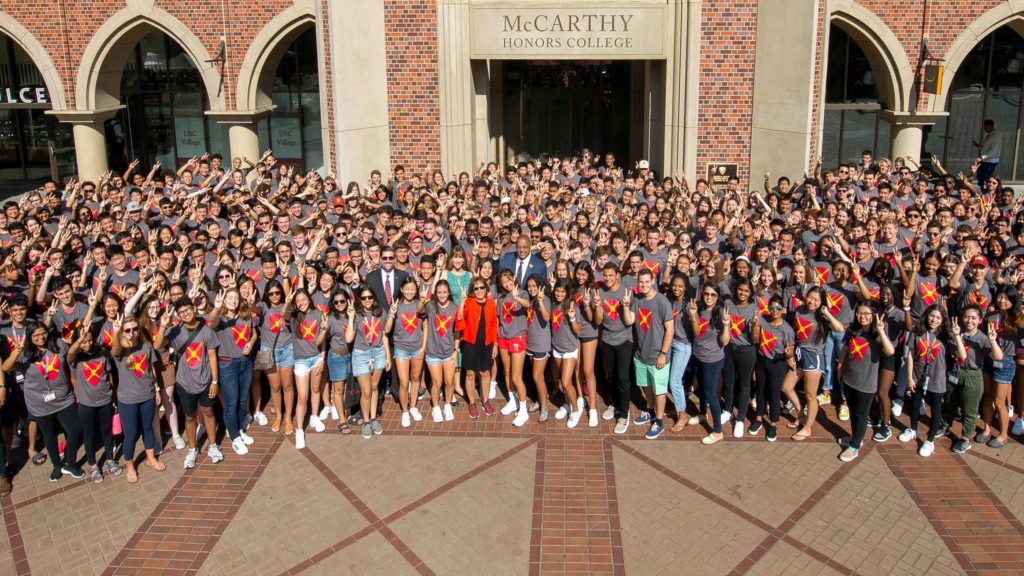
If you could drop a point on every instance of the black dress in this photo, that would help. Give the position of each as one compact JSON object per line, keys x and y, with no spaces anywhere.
{"x":477,"y":355}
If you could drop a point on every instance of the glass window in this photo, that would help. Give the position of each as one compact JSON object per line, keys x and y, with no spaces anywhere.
{"x":851,"y":122}
{"x":294,"y":130}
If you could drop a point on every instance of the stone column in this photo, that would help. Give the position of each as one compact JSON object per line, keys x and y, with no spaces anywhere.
{"x":90,"y":139}
{"x":243,"y":139}
{"x":907,"y":130}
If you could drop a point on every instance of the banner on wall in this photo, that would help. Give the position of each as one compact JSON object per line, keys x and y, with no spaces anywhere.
{"x":189,"y":137}
{"x":286,"y":138}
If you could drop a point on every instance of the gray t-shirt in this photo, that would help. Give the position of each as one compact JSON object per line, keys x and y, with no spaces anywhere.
{"x":538,"y":332}
{"x":807,"y":331}
{"x":234,"y":334}
{"x":193,"y":369}
{"x":274,"y":330}
{"x":706,"y":346}
{"x":588,"y":328}
{"x":613,"y":330}
{"x":929,"y":352}
{"x":680,"y":313}
{"x":511,"y":317}
{"x":740,"y":322}
{"x":441,"y":329}
{"x":863,"y":353}
{"x":408,"y":327}
{"x":369,"y":332}
{"x":651,"y":314}
{"x":977,"y":347}
{"x":47,"y":390}
{"x":336,"y":327}
{"x":92,"y":380}
{"x":306,"y":329}
{"x":775,"y":339}
{"x":69,"y":323}
{"x":135,"y":374}
{"x":563,"y":339}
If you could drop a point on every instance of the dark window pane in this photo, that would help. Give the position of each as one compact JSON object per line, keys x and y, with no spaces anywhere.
{"x":973,"y":73}
{"x":1007,"y":60}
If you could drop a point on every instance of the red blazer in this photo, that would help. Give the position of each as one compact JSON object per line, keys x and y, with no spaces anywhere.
{"x":470,"y":320}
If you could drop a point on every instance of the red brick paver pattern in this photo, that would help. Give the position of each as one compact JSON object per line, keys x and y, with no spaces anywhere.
{"x":479,"y":496}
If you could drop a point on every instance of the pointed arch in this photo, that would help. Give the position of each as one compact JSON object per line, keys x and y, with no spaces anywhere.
{"x":885,"y":53}
{"x":256,"y":75}
{"x":98,"y":85}
{"x":47,"y":69}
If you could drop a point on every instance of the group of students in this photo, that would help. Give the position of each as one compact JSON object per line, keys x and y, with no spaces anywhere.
{"x":208,"y":299}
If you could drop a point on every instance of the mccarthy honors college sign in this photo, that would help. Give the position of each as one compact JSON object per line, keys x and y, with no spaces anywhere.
{"x":586,"y":31}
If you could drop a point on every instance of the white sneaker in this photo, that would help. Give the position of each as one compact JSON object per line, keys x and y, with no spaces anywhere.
{"x":493,"y":392}
{"x":897,"y":410}
{"x":300,"y":439}
{"x":247,"y":439}
{"x":511,"y":406}
{"x":726,"y":416}
{"x":435,"y":414}
{"x":238,"y":445}
{"x":738,"y":429}
{"x":260,"y":418}
{"x":179,"y":442}
{"x":406,"y":421}
{"x":593,"y":418}
{"x":316,"y":424}
{"x":562,"y":412}
{"x":574,"y":418}
{"x":694,"y":420}
{"x":415,"y":413}
{"x":907,"y":435}
{"x":580,"y":403}
{"x":621,"y":426}
{"x":325,"y":412}
{"x":449,"y":415}
{"x":214,"y":453}
{"x":609,"y":413}
{"x":1018,"y":426}
{"x":522,"y":416}
{"x":190,"y":458}
{"x":926,"y":449}
{"x":334,"y":413}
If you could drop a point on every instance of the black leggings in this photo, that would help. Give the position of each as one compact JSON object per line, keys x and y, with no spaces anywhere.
{"x":770,"y":374}
{"x":96,"y":419}
{"x":739,"y":367}
{"x":68,"y":418}
{"x":934,"y":403}
{"x":859,"y":404}
{"x":616,"y":363}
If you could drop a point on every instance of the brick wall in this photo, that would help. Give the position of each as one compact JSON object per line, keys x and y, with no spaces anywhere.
{"x":410,"y":40}
{"x":724,"y":114}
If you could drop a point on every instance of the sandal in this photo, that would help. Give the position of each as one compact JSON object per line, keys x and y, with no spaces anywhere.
{"x":288,"y":428}
{"x":38,"y":459}
{"x":113,"y":468}
{"x":800,"y":436}
{"x":158,"y":467}
{"x":132,"y":476}
{"x":354,"y":420}
{"x":344,"y":429}
{"x":276,"y":426}
{"x":679,"y":425}
{"x":95,"y":475}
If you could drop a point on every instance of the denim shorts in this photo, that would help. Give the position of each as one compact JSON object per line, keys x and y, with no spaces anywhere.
{"x":283,"y":357}
{"x":811,"y":361}
{"x":304,"y":366}
{"x":400,"y":354}
{"x":338,"y":367}
{"x":1003,"y":371}
{"x":435,"y":360}
{"x":362,"y":359}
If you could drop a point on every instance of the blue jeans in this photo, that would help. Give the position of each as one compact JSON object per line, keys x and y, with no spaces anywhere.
{"x":235,"y":379}
{"x":680,"y":358}
{"x":707,"y":376}
{"x":136,"y":418}
{"x":833,"y":344}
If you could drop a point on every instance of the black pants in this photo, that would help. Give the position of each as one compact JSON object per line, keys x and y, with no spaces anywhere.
{"x":739,"y":367}
{"x":68,"y":418}
{"x":95,"y":420}
{"x":859,"y":404}
{"x":934,"y":404}
{"x":770,"y":374}
{"x":616,"y":364}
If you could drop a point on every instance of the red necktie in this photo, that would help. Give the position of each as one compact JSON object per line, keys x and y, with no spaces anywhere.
{"x":387,"y":289}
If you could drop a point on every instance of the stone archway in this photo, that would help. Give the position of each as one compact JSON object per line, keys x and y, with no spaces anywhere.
{"x":47,"y":69}
{"x":98,"y":85}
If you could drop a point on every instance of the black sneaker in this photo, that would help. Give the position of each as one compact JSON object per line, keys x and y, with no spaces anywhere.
{"x":771,"y":433}
{"x":962,"y":445}
{"x":56,"y":475}
{"x":73,"y":471}
{"x":882,"y":434}
{"x":942,"y":431}
{"x":755,"y":428}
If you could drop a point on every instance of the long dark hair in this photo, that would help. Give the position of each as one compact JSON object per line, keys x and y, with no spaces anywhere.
{"x":824,"y":326}
{"x":567,"y":285}
{"x":266,"y":292}
{"x":374,"y":309}
{"x":31,"y":352}
{"x":717,"y":309}
{"x":921,"y":327}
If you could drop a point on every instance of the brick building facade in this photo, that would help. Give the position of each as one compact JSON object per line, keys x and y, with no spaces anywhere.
{"x":447,"y":83}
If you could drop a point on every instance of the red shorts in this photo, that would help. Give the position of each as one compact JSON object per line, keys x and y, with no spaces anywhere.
{"x":513,"y":345}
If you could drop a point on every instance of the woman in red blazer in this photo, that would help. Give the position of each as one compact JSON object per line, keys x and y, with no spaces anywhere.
{"x":478,"y":324}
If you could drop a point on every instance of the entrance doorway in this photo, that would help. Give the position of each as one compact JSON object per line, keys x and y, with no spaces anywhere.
{"x":558,"y":107}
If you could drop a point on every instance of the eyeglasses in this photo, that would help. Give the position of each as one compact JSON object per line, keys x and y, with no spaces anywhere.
{"x":386,"y":258}
{"x":131,"y":330}
{"x":478,"y":288}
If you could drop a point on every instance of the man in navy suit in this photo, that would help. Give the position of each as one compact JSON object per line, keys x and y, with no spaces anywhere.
{"x":387,"y":275}
{"x":523,"y":263}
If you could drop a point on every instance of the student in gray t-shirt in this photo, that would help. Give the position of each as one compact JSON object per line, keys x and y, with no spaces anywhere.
{"x":94,"y":391}
{"x":862,"y":350}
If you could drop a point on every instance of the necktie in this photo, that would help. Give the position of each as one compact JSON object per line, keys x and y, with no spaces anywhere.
{"x":387,"y":289}
{"x":519,"y":273}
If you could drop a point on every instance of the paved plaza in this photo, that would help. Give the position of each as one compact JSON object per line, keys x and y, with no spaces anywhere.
{"x":477,"y":497}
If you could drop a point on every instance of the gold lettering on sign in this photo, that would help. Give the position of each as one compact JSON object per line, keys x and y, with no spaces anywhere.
{"x":568,"y":23}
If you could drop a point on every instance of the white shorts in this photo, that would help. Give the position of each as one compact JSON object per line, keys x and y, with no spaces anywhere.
{"x":565,"y":355}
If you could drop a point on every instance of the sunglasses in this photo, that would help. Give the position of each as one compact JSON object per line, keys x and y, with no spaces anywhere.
{"x":131,"y":330}
{"x":476,"y":288}
{"x":342,"y":301}
{"x":711,"y":295}
{"x":366,"y":297}
{"x":274,"y":293}
{"x":223,"y":276}
{"x":775,"y":307}
{"x":386,"y":258}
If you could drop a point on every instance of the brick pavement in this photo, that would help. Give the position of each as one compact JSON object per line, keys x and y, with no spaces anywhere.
{"x":480,"y":496}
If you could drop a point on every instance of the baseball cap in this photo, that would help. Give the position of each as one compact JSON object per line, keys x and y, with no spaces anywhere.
{"x":133,"y":206}
{"x":643,"y":165}
{"x":979,"y":260}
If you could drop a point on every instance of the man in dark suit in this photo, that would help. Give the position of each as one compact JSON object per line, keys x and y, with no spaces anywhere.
{"x":387,"y":276}
{"x":523,"y":263}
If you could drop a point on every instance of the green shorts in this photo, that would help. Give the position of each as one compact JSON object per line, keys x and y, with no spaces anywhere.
{"x":648,"y":375}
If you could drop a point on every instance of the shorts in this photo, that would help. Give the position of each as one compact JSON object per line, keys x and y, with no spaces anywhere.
{"x":565,"y":355}
{"x":338,"y":366}
{"x":437,"y":360}
{"x":537,"y":355}
{"x":190,"y":402}
{"x":400,"y":354}
{"x":513,"y":345}
{"x":283,"y":357}
{"x":304,"y":366}
{"x":810,"y":360}
{"x":649,"y":375}
{"x":367,"y":361}
{"x":887,"y":363}
{"x":1002,"y":372}
{"x":587,"y":339}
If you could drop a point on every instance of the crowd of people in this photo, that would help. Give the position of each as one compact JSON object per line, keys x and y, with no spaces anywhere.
{"x":178,"y":305}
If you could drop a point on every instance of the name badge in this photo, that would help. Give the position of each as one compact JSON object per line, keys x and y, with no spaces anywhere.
{"x":953,"y":379}
{"x":49,"y":396}
{"x":19,"y":378}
